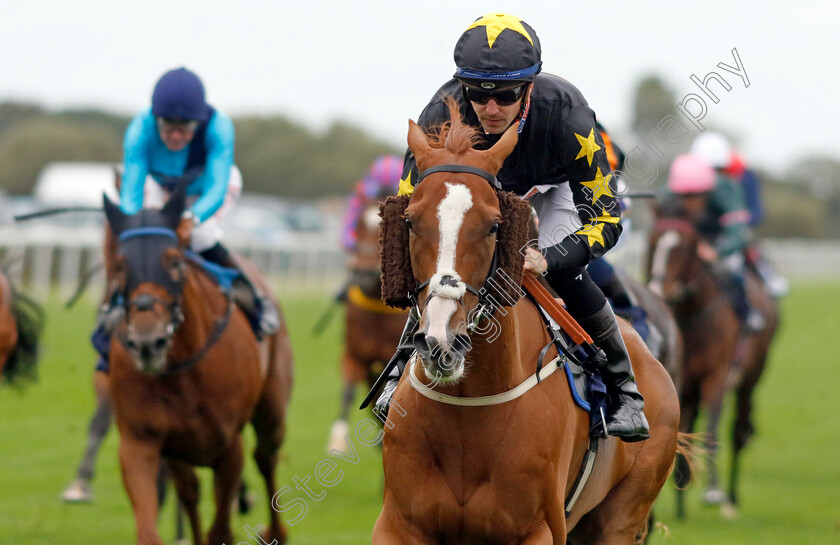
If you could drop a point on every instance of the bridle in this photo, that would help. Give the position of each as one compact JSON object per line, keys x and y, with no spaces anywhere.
{"x":175,"y":289}
{"x":486,"y":308}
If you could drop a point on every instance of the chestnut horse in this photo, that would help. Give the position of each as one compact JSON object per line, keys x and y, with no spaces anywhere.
{"x":187,"y":374}
{"x":714,"y":356}
{"x":372,"y":329}
{"x":496,"y":473}
{"x":21,"y":324}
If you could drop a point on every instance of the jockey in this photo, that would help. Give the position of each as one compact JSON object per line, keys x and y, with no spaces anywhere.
{"x":382,"y":179}
{"x":183,"y":140}
{"x":714,"y":204}
{"x":560,"y":164}
{"x":751,"y":185}
{"x":601,"y":271}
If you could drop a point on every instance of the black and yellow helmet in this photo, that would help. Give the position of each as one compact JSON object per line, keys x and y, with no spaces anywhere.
{"x":498,"y":49}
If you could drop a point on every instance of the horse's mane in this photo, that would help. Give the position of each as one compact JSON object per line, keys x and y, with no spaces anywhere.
{"x":454,"y":135}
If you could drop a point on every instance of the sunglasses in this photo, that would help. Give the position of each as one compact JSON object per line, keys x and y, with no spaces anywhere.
{"x":505,"y":97}
{"x":167,"y":125}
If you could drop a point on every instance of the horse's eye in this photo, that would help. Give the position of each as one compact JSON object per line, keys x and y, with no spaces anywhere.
{"x":495,"y":228}
{"x":408,"y":224}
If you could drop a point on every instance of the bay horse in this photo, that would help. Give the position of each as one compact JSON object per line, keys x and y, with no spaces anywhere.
{"x":499,"y":473}
{"x":372,"y":329}
{"x":715,"y":358}
{"x":186,"y":374}
{"x":665,"y":339}
{"x":21,"y":325}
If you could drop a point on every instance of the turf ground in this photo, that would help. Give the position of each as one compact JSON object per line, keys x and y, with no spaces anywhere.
{"x":791,"y":471}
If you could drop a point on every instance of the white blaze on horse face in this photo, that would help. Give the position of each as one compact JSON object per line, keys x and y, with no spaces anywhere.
{"x":442,"y":305}
{"x":667,"y":242}
{"x":450,"y":213}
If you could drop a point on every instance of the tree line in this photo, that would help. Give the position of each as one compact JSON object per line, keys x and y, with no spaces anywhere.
{"x":284,"y":158}
{"x":275,"y":155}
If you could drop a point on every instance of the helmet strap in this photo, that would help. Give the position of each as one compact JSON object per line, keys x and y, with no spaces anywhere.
{"x":526,"y":107}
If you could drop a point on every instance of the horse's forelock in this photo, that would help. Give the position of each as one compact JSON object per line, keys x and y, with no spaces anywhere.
{"x":454,"y":136}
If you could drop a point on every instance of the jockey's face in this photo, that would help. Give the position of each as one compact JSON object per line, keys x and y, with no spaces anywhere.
{"x":176,"y":134}
{"x":495,"y":118}
{"x":693,"y":205}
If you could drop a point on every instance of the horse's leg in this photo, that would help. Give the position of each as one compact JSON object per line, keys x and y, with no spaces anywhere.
{"x":712,"y":393}
{"x":391,"y":528}
{"x":688,"y":415}
{"x":226,"y":477}
{"x":100,"y":422}
{"x":340,"y":427}
{"x":543,"y":536}
{"x":140,"y":461}
{"x":186,"y":483}
{"x":742,"y":429}
{"x":268,"y":422}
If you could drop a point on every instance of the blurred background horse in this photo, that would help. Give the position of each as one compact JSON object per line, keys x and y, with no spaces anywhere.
{"x":21,"y":324}
{"x":717,"y":356}
{"x":371,"y":328}
{"x":187,"y":373}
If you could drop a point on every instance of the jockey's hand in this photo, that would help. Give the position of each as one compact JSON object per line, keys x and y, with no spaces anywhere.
{"x":184,"y":230}
{"x":535,"y":262}
{"x":706,"y":252}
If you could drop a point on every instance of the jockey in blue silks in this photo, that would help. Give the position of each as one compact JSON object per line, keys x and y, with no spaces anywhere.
{"x":182,"y":140}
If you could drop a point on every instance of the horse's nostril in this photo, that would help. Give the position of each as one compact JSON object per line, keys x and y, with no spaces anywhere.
{"x":131,"y":343}
{"x":421,"y":343}
{"x":160,"y":344}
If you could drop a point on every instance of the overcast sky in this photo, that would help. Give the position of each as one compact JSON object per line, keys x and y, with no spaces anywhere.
{"x":377,"y":63}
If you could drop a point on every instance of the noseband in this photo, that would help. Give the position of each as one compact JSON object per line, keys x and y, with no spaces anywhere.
{"x":481,"y":293}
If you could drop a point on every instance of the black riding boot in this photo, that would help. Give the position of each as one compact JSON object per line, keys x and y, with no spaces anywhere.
{"x":260,"y":308}
{"x":626,"y":418}
{"x":404,"y":350}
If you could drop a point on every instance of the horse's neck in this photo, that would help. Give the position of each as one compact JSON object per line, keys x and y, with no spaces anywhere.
{"x":708,"y":293}
{"x":203,"y":304}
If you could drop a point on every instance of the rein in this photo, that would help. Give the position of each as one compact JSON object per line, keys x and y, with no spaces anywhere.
{"x":147,"y":302}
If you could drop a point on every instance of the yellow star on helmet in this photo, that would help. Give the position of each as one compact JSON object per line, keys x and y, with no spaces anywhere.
{"x":406,"y":188}
{"x":599,"y":186}
{"x":588,"y":147}
{"x":496,"y":23}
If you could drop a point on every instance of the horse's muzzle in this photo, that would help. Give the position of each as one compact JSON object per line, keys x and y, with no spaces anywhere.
{"x":149,"y":349}
{"x":442,"y":361}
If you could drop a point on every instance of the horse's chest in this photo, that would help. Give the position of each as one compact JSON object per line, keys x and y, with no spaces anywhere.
{"x":494,"y":495}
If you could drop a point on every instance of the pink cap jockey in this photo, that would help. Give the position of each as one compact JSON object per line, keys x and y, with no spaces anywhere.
{"x":691,"y":174}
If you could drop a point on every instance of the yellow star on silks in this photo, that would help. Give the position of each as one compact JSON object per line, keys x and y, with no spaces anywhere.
{"x":588,"y":147}
{"x":594,"y":231}
{"x":599,"y":186}
{"x":496,"y":23}
{"x":405,"y":186}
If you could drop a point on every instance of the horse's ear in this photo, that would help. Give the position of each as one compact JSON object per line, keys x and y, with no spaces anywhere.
{"x":511,"y":241}
{"x":418,"y":143}
{"x":496,"y":155}
{"x":174,"y":208}
{"x":116,"y":217}
{"x":394,"y":255}
{"x":117,"y":178}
